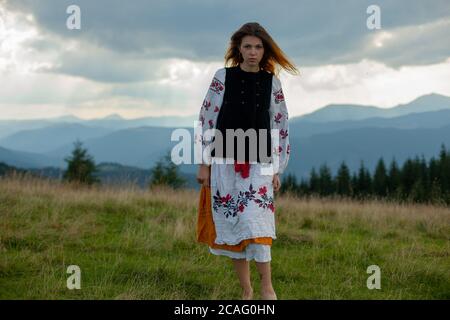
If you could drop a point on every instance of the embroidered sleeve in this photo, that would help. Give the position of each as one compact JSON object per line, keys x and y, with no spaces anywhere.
{"x":279,"y":122}
{"x":208,"y":116}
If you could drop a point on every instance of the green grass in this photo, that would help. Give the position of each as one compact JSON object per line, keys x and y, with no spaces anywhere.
{"x":133,"y":244}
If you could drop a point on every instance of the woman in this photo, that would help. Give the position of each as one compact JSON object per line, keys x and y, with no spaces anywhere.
{"x":246,"y":95}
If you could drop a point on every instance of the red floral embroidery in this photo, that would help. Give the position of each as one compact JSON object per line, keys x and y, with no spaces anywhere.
{"x":265,"y":201}
{"x":227,"y":203}
{"x":231,"y":207}
{"x":288,"y":150}
{"x":279,"y":96}
{"x":278,"y":117}
{"x":226,"y":198}
{"x":262,"y":190}
{"x":216,"y":85}
{"x":216,"y":109}
{"x":211,"y":123}
{"x":206,"y":104}
{"x":283,"y":133}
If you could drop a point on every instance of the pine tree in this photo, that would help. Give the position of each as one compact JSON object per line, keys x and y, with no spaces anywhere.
{"x":289,"y":184}
{"x":325,"y":180}
{"x":444,"y":171}
{"x":158,"y":176}
{"x":165,"y":172}
{"x":314,"y":185}
{"x":343,"y":182}
{"x":418,"y":191}
{"x":435,"y":192}
{"x":81,"y":166}
{"x":434,"y":171}
{"x":408,"y":177}
{"x":355,"y":189}
{"x":364,"y":181}
{"x":380,"y":187}
{"x":394,"y":182}
{"x":425,"y":177}
{"x":303,"y":188}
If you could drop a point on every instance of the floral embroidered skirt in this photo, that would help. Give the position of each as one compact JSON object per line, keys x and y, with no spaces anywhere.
{"x":241,"y":222}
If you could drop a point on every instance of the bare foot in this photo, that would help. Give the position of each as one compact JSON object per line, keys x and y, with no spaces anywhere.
{"x":247,"y":294}
{"x":268,"y":294}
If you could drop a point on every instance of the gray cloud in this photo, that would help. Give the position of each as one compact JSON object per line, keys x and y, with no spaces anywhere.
{"x":107,"y":67}
{"x":129,"y":35}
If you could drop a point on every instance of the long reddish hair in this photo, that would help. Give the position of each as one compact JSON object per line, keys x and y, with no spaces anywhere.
{"x":273,"y":55}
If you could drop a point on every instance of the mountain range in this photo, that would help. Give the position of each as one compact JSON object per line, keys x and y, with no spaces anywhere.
{"x":332,"y":134}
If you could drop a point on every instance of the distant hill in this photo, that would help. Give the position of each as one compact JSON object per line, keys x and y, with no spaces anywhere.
{"x":339,"y":112}
{"x":113,"y":174}
{"x":45,"y":139}
{"x":57,"y":139}
{"x":112,"y":122}
{"x":28,"y":159}
{"x":426,"y":120}
{"x":140,"y":147}
{"x":5,"y":168}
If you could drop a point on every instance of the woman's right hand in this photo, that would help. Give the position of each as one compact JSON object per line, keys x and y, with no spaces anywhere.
{"x":203,"y":175}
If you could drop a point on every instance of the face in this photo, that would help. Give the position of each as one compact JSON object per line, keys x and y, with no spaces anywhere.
{"x":252,"y":50}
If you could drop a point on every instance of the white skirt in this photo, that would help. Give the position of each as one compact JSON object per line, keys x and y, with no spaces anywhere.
{"x":242,"y":208}
{"x":253,"y":251}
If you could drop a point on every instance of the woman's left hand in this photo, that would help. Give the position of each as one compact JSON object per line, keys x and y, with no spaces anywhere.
{"x":276,"y":182}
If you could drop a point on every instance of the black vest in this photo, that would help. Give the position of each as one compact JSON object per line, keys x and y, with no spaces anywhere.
{"x":245,"y":106}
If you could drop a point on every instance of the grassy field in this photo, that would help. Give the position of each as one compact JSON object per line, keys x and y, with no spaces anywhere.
{"x":135,"y":244}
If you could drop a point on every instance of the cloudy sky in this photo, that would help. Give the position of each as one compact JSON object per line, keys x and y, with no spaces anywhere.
{"x":154,"y":58}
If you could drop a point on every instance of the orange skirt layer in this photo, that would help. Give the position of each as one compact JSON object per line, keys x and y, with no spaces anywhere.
{"x":206,"y":231}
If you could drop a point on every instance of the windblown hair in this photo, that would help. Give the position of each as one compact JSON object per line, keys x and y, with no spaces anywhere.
{"x":273,"y":55}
